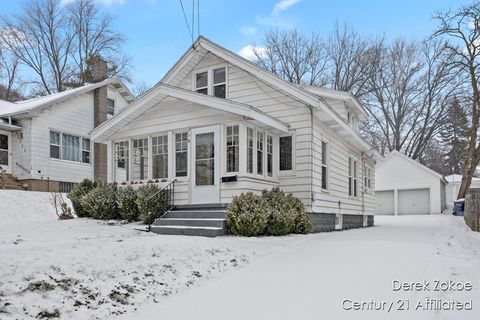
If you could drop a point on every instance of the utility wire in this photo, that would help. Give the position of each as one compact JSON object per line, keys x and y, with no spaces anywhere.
{"x":186,"y":20}
{"x":193,"y":18}
{"x":198,"y":17}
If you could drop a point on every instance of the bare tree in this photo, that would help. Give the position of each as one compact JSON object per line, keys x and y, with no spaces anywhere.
{"x":95,"y":36}
{"x":409,"y":93}
{"x":10,"y":82}
{"x":140,"y":88}
{"x":293,"y":56}
{"x":41,"y":38}
{"x":462,"y":29}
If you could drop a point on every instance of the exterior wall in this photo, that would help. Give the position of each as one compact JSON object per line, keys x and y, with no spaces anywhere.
{"x":74,"y":116}
{"x":21,"y":150}
{"x":398,"y":173}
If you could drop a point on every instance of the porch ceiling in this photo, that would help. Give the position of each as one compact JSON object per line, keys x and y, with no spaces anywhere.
{"x":162,"y":91}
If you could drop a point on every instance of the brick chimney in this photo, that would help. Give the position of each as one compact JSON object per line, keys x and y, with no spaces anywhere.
{"x":99,"y":71}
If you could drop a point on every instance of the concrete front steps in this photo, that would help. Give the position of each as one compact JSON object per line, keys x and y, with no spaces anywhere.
{"x":206,"y":220}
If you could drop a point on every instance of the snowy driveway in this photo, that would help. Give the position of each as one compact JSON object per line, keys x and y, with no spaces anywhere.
{"x":324,"y":274}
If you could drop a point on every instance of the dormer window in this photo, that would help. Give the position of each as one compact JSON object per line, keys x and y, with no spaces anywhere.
{"x":212,"y":82}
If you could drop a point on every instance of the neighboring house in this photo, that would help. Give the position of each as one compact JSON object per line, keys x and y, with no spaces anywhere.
{"x":45,"y":142}
{"x":405,"y":186}
{"x":220,"y":126}
{"x":454,"y":182}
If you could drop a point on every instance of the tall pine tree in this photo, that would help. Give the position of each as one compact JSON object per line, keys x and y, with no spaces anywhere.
{"x":455,"y":135}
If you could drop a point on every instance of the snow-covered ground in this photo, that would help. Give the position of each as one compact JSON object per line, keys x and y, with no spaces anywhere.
{"x":87,"y":269}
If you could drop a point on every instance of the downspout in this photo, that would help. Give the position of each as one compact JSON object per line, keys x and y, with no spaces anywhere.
{"x":363,"y":182}
{"x":312,"y":156}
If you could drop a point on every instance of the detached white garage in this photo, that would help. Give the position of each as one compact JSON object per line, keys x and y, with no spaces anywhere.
{"x":405,"y":187}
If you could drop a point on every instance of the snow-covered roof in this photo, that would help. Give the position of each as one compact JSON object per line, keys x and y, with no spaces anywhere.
{"x":36,"y":104}
{"x":457,"y":178}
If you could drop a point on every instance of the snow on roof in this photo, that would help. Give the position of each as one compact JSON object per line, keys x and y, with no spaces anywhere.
{"x":457,"y":178}
{"x":6,"y":106}
{"x":29,"y":105}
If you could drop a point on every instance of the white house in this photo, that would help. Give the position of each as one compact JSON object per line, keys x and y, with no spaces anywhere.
{"x":45,"y":142}
{"x":405,"y":186}
{"x":219,"y":125}
{"x":454,"y":181}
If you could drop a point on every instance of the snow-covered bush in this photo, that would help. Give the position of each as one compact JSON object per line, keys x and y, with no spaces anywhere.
{"x":151,"y":202}
{"x":272,"y":213}
{"x":100,"y":203}
{"x":78,"y":193}
{"x":247,"y":215}
{"x":126,"y":203}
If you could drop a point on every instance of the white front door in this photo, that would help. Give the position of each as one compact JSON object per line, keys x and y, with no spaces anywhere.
{"x":5,"y":153}
{"x":205,"y":165}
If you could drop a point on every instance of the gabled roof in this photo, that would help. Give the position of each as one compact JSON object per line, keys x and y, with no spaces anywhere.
{"x":37,"y":104}
{"x":203,"y":45}
{"x":161,"y":91}
{"x":345,"y":96}
{"x":416,"y":163}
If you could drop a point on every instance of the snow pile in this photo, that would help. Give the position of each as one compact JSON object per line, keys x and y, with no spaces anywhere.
{"x":86,"y":269}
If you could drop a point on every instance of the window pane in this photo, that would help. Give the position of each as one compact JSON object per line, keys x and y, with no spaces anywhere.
{"x":220,"y":91}
{"x":204,"y":159}
{"x":3,"y":142}
{"x":181,"y":154}
{"x":54,"y":137}
{"x":249,"y":150}
{"x":4,"y":157}
{"x":285,"y":153}
{"x":86,"y":144}
{"x":160,"y":157}
{"x":121,"y":160}
{"x":324,"y":177}
{"x":260,"y":152}
{"x":54,"y":152}
{"x":85,"y":156}
{"x":110,"y":107}
{"x":202,"y":80}
{"x":324,"y":153}
{"x":219,"y":75}
{"x":70,"y":147}
{"x":232,"y":149}
{"x":203,"y":91}
{"x":140,"y":159}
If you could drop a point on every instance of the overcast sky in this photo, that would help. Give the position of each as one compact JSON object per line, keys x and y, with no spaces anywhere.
{"x":158,"y":36}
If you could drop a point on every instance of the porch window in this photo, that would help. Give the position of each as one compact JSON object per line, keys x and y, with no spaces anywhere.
{"x":121,"y":161}
{"x":368,"y":178}
{"x":201,"y":82}
{"x":249,"y":150}
{"x":70,"y":147}
{"x":85,"y":150}
{"x":324,"y":166}
{"x":181,"y":153}
{"x":286,"y":153}
{"x":260,"y":142}
{"x":54,"y":145}
{"x":219,"y":83}
{"x":269,"y":156}
{"x":160,"y":157}
{"x":352,"y":177}
{"x":140,"y":159}
{"x":233,"y":144}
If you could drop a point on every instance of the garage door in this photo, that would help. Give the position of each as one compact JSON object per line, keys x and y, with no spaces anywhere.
{"x":414,"y":201}
{"x":384,"y":202}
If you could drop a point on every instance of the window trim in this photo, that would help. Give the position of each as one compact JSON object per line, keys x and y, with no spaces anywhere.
{"x":267,"y":153}
{"x":174,"y":154}
{"x":292,"y":171}
{"x":149,"y":157}
{"x":150,"y":152}
{"x":367,"y":178}
{"x":257,"y":150}
{"x":210,"y":85}
{"x":225,"y":152}
{"x":80,"y":147}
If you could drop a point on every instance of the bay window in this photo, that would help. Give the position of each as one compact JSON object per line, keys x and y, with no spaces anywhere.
{"x":121,"y":161}
{"x":249,"y":150}
{"x":233,"y":145}
{"x":140,"y":159}
{"x":160,"y":157}
{"x":269,"y":156}
{"x":181,"y":153}
{"x":260,"y":142}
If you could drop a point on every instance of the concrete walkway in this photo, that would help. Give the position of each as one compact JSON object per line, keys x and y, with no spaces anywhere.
{"x":318,"y":277}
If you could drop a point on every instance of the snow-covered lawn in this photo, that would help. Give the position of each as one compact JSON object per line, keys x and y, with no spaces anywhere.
{"x":85,"y":269}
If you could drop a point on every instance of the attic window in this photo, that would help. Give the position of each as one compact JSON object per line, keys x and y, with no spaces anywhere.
{"x":219,"y":83}
{"x":212,"y":82}
{"x":110,"y":107}
{"x":201,"y":81}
